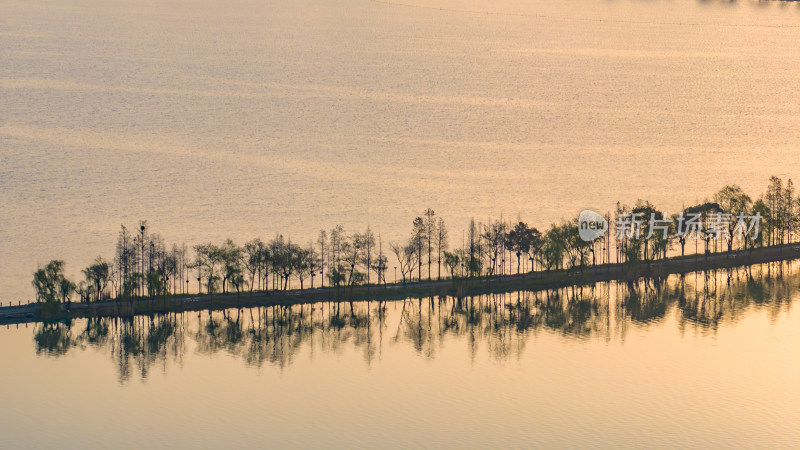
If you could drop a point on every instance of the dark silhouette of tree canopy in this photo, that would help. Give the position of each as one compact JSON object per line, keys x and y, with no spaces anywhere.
{"x":651,"y":241}
{"x":499,"y":323}
{"x":520,"y":240}
{"x":50,"y":283}
{"x":430,"y":235}
{"x":144,"y":265}
{"x":419,"y":236}
{"x":732,"y":200}
{"x":230,"y":256}
{"x":208,"y":259}
{"x":440,"y":236}
{"x":706,"y":211}
{"x":495,"y":237}
{"x":97,"y":276}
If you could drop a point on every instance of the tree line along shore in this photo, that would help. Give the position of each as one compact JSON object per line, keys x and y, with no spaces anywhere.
{"x":145,"y":266}
{"x":258,"y":333}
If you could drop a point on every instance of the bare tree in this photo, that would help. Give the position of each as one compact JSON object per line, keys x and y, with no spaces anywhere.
{"x":406,"y":256}
{"x":430,"y":233}
{"x":441,"y":244}
{"x":365,"y":249}
{"x":380,"y":264}
{"x":419,"y":236}
{"x":321,"y":241}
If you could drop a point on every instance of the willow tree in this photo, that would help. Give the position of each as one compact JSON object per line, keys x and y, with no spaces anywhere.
{"x":50,"y":283}
{"x":554,"y":244}
{"x":97,"y":276}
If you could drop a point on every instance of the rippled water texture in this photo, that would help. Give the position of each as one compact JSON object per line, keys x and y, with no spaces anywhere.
{"x":242,"y":119}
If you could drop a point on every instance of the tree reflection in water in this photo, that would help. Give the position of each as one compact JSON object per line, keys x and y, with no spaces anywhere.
{"x":503,"y":323}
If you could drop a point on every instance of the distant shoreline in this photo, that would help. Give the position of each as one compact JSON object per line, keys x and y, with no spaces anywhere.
{"x":531,"y":281}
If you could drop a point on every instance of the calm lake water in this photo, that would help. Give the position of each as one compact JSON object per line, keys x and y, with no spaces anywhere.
{"x":247,"y":118}
{"x":707,"y":361}
{"x":239,"y":119}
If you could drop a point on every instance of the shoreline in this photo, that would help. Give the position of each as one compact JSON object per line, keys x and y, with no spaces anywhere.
{"x":531,"y":281}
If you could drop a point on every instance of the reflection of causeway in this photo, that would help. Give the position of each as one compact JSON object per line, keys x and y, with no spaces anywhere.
{"x":502,"y":322}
